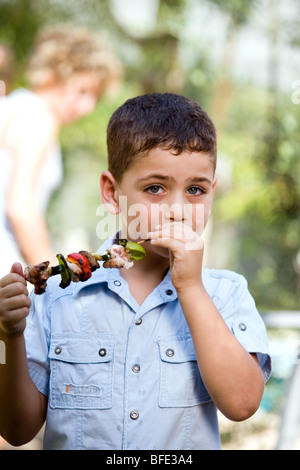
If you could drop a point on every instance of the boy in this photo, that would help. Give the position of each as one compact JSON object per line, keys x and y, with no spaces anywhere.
{"x":139,"y":358}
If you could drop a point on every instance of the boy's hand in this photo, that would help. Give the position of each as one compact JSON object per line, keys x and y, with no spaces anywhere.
{"x":14,"y":302}
{"x":186,"y":253}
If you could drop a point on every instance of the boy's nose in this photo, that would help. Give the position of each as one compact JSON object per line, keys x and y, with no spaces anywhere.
{"x":175,"y":212}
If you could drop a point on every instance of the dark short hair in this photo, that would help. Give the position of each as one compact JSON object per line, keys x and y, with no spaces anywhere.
{"x":165,"y":120}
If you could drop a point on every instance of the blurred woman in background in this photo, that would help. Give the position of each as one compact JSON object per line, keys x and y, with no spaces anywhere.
{"x":7,"y":67}
{"x":69,"y":70}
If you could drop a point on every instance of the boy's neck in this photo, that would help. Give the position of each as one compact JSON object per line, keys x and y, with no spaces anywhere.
{"x":144,"y":276}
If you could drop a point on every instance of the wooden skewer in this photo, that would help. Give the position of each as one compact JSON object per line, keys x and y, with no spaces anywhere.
{"x":97,"y":256}
{"x":143,"y":241}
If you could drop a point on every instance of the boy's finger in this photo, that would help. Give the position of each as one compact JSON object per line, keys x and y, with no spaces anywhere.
{"x":16,"y":275}
{"x":12,"y":290}
{"x":18,"y":302}
{"x":12,"y":278}
{"x":14,"y":322}
{"x":17,"y":269}
{"x":178,"y":231}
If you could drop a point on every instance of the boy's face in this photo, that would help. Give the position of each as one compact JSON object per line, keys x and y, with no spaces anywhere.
{"x":162,"y":188}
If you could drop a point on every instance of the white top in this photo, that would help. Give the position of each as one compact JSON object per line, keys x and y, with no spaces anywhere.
{"x":49,"y":178}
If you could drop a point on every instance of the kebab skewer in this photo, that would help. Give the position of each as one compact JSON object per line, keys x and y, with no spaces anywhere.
{"x":79,"y":266}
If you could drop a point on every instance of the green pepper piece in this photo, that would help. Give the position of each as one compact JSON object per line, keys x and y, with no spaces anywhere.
{"x":65,"y":272}
{"x":136,"y":251}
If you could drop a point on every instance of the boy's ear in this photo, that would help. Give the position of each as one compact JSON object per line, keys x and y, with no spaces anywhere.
{"x":109,"y":193}
{"x":212,"y":193}
{"x":214,"y":184}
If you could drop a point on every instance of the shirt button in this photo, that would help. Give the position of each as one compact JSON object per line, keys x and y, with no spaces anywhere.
{"x":58,"y":350}
{"x":169,"y":292}
{"x":102,"y":352}
{"x":117,"y":283}
{"x":136,"y":368}
{"x":134,"y":415}
{"x":242,"y":327}
{"x":170,"y":352}
{"x":139,"y":321}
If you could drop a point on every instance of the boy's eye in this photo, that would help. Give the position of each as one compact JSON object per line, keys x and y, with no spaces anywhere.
{"x":155,"y":189}
{"x":195,"y":191}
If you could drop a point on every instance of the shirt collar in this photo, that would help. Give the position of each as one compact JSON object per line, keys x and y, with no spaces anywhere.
{"x":165,"y":290}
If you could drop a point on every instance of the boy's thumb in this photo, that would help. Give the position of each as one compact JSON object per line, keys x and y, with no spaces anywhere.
{"x":17,"y":269}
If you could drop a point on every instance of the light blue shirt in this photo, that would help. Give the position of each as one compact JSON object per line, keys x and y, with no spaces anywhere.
{"x":122,"y":376}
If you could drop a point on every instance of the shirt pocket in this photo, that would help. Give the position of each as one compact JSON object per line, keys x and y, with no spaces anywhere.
{"x":181,"y":384}
{"x":81,"y":371}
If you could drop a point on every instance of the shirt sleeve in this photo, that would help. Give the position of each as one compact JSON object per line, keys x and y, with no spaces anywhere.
{"x":248,"y":326}
{"x":237,"y":307}
{"x":37,"y":338}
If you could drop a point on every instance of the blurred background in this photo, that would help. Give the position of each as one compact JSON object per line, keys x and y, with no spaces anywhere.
{"x":240,"y":60}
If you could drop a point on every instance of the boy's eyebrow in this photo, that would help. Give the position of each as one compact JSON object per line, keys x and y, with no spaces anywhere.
{"x":193,"y":179}
{"x":155,"y":176}
{"x":200,"y":179}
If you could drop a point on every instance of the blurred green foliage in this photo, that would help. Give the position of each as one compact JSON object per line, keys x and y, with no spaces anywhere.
{"x":264,"y":203}
{"x":239,"y":11}
{"x":258,"y":130}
